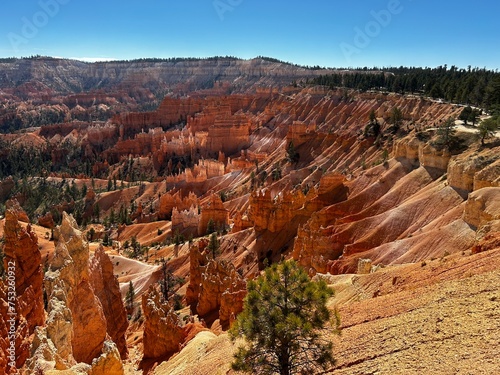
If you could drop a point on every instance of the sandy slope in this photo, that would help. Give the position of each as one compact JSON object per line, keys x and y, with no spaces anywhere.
{"x":435,"y":317}
{"x":440,"y":318}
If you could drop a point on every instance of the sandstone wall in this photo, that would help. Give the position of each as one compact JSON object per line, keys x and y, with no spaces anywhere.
{"x":482,"y":207}
{"x":229,"y":134}
{"x":213,"y":210}
{"x":170,"y":201}
{"x":23,"y":257}
{"x":214,"y":285}
{"x":107,"y":289}
{"x":186,"y":222}
{"x":84,"y":309}
{"x":163,"y":330}
{"x":274,"y":213}
{"x":300,"y":132}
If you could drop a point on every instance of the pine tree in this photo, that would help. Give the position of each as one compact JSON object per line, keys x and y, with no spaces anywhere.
{"x":283,"y":317}
{"x":276,"y":174}
{"x":373,"y":117}
{"x":84,"y":191}
{"x":291,"y":153}
{"x":112,"y":217}
{"x":210,"y":226}
{"x":106,"y":241}
{"x":130,"y":296}
{"x":213,"y":245}
{"x":97,"y":212}
{"x":466,"y":113}
{"x":396,"y":118}
{"x":373,"y":128}
{"x":474,"y":116}
{"x":446,"y":134}
{"x":487,"y":129}
{"x":168,"y":281}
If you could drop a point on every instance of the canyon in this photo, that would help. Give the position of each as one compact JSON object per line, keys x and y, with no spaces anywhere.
{"x":165,"y":213}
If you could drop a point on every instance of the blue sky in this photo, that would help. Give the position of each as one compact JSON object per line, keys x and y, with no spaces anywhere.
{"x":315,"y":32}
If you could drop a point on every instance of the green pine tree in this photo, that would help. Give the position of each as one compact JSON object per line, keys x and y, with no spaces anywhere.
{"x":213,"y":245}
{"x":130,"y":296}
{"x":283,"y":317}
{"x":487,"y":129}
{"x":210,"y":226}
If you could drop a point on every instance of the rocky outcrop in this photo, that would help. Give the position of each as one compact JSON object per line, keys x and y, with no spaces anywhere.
{"x":215,"y":211}
{"x":107,"y":289}
{"x":163,"y":330}
{"x":422,"y":153}
{"x":213,"y":125}
{"x":186,"y":222}
{"x":364,"y":266}
{"x":70,"y":274}
{"x":300,"y":132}
{"x":77,"y":327}
{"x":211,"y":168}
{"x":232,"y":301}
{"x":489,"y":176}
{"x":23,"y":300}
{"x":490,"y":241}
{"x":482,"y":207}
{"x":214,"y":285}
{"x":229,"y":134}
{"x":51,"y":347}
{"x":109,"y":362}
{"x":201,"y":172}
{"x":240,"y":222}
{"x":202,"y":121}
{"x":168,"y":201}
{"x":388,"y":208}
{"x":466,"y":172}
{"x":274,"y":213}
{"x":220,"y":277}
{"x":142,"y":143}
{"x":198,"y":260}
{"x":245,"y":161}
{"x":14,"y":205}
{"x":171,"y":111}
{"x":472,"y":172}
{"x":47,"y":361}
{"x":181,"y":143}
{"x":47,"y":221}
{"x":431,"y":157}
{"x":407,"y":148}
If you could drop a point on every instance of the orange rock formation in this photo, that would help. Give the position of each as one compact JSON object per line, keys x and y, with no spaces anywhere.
{"x":186,"y":222}
{"x":169,"y":201}
{"x":23,"y":299}
{"x":163,"y":331}
{"x":107,"y":289}
{"x":274,"y":213}
{"x":77,"y":328}
{"x":213,"y":210}
{"x":214,"y":285}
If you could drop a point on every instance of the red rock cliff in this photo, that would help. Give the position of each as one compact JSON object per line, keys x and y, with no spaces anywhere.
{"x":22,"y":262}
{"x":163,"y":330}
{"x":107,"y":289}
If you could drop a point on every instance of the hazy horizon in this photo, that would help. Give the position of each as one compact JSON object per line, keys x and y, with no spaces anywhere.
{"x":90,"y":60}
